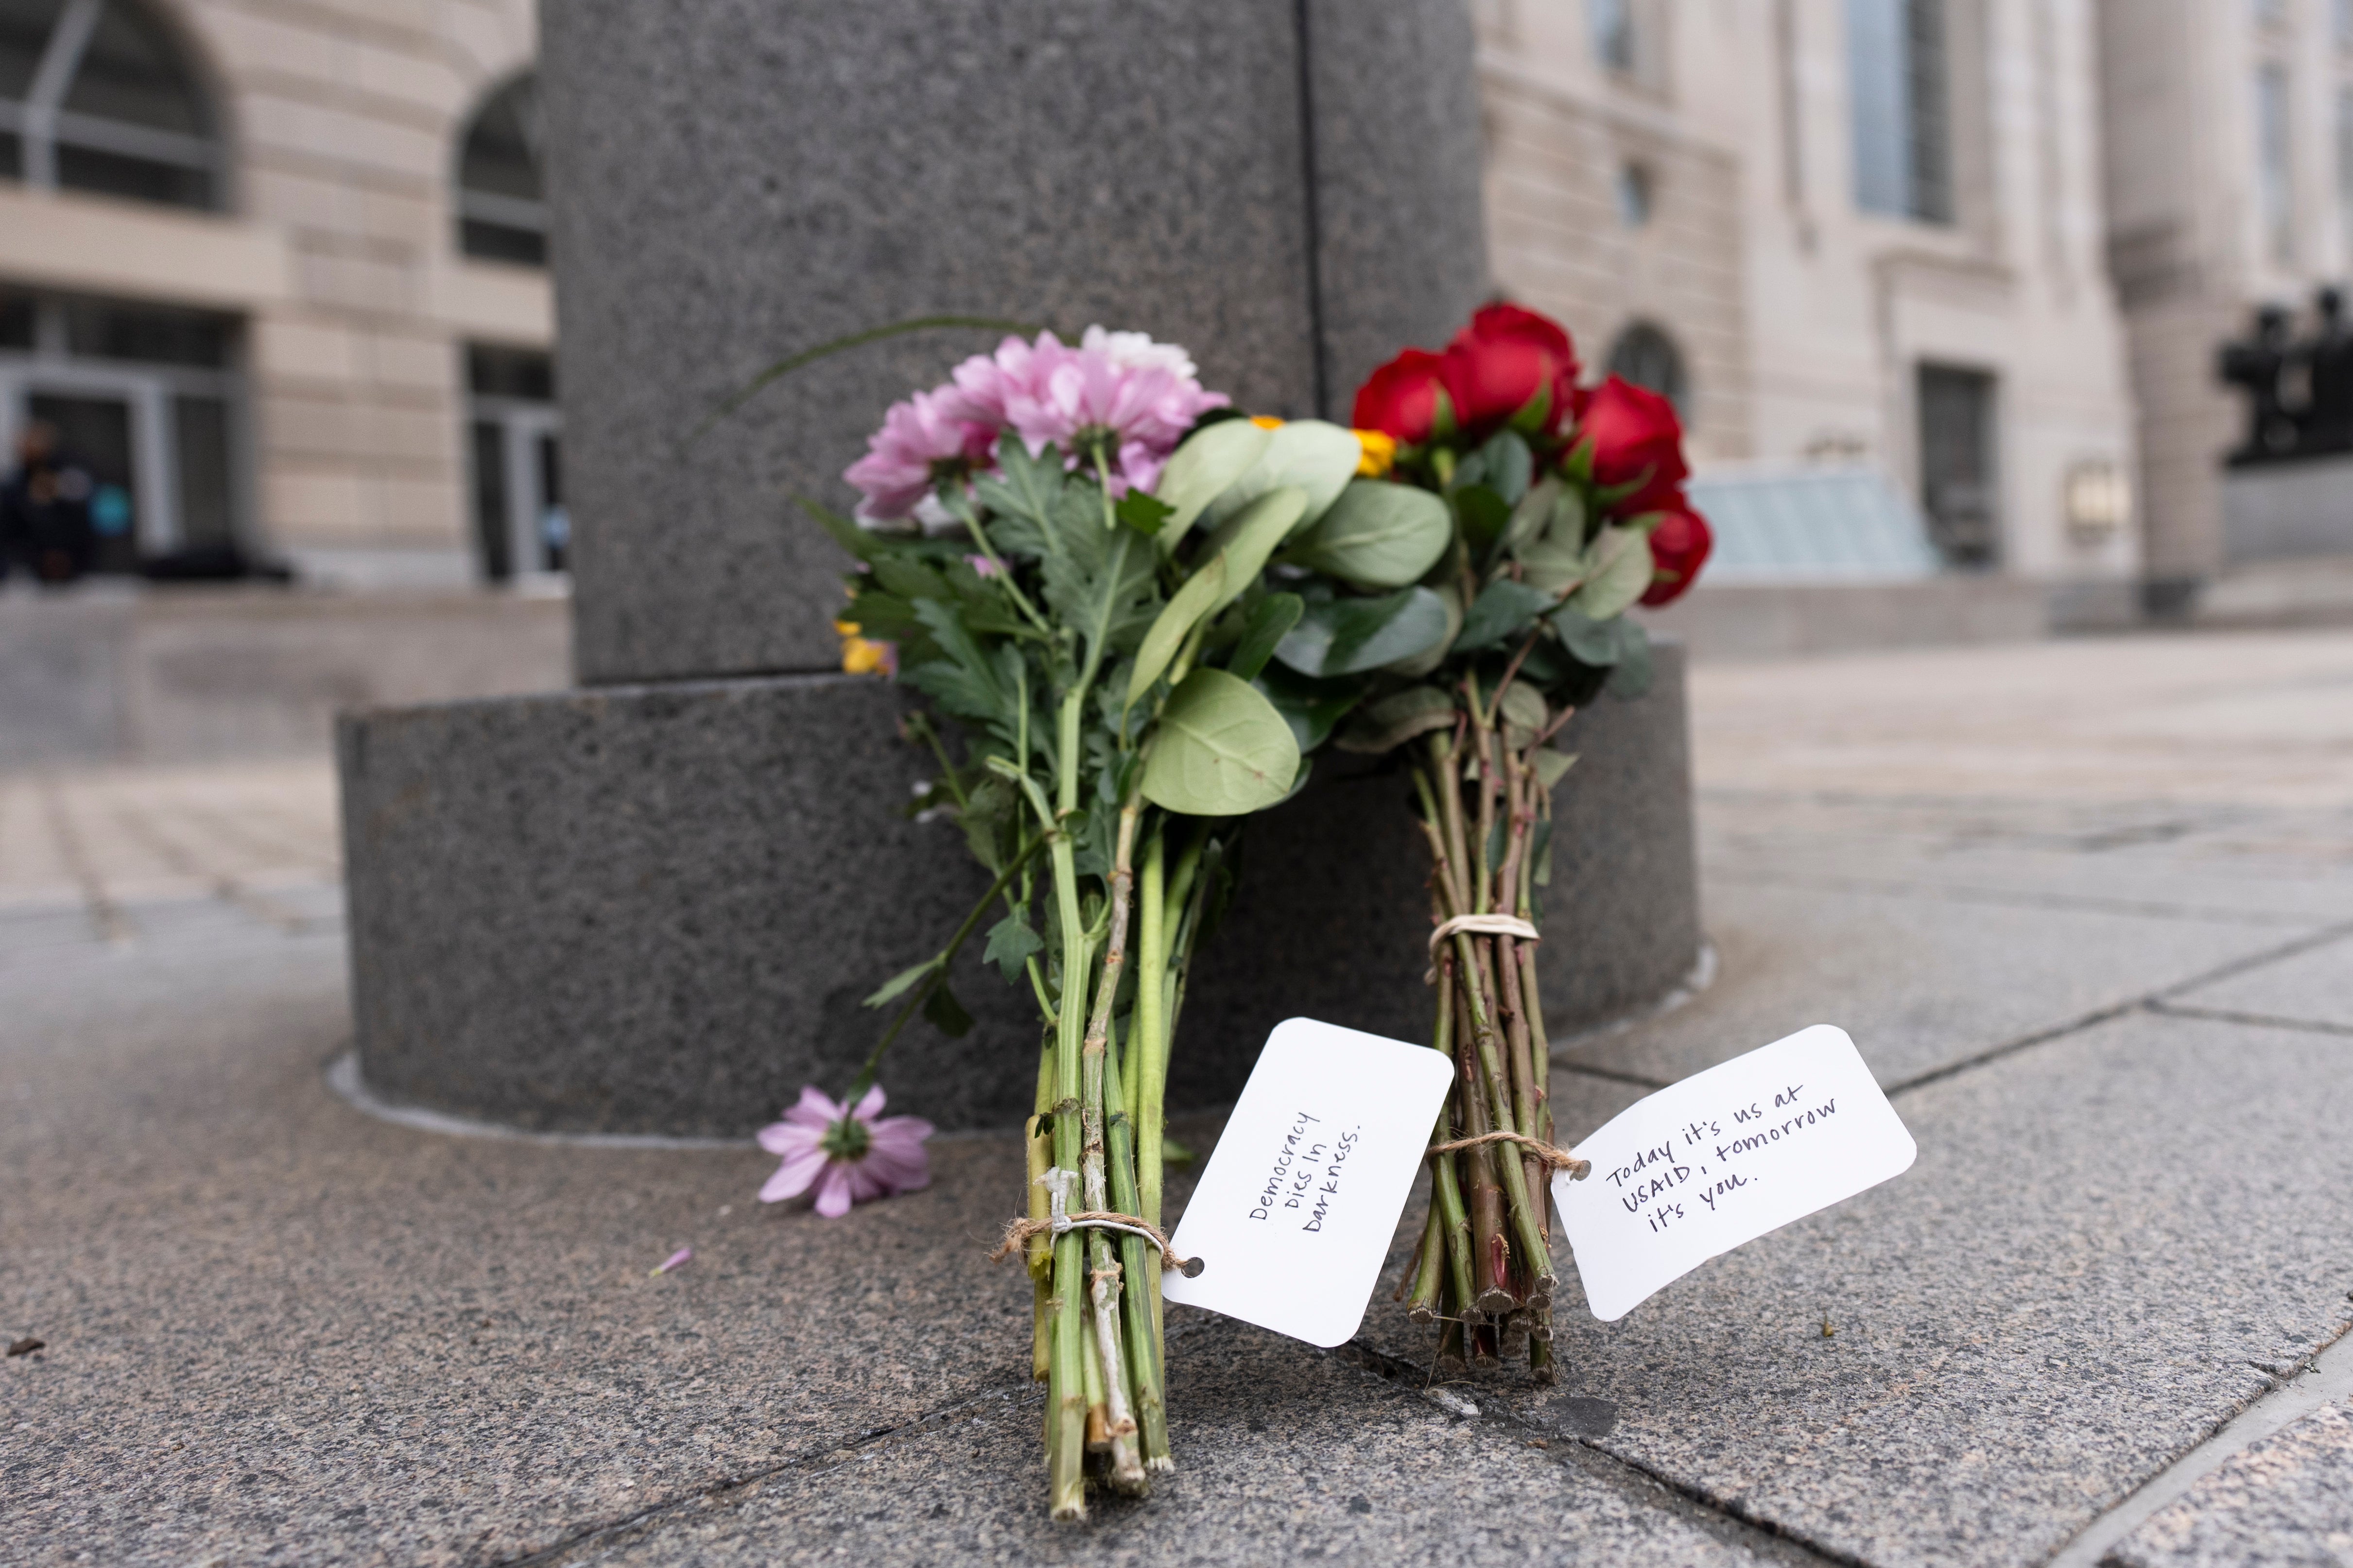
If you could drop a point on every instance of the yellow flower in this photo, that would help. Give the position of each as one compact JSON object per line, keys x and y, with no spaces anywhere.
{"x":863,"y":655}
{"x":1380,"y":452}
{"x":1266,"y":421}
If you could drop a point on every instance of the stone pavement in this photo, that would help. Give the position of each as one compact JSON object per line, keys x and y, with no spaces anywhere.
{"x":2086,"y":907}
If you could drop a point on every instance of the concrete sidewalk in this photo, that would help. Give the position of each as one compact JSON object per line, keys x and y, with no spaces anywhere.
{"x":2087,"y":908}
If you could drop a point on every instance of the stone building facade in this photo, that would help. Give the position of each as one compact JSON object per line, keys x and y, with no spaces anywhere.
{"x":236,"y":266}
{"x":1868,"y":229}
{"x":2230,"y":187}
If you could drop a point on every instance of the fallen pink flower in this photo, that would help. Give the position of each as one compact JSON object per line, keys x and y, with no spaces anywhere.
{"x":684,"y":1255}
{"x":845,"y":1152}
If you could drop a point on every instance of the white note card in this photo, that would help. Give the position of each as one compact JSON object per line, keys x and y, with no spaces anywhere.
{"x":1293,"y":1217}
{"x":1723,"y":1157}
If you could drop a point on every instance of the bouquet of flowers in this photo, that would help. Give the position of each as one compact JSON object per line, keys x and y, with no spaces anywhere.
{"x":1139,"y":612}
{"x":1548,"y":510}
{"x":1064,"y":548}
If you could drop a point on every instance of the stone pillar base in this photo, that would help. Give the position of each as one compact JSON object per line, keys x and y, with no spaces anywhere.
{"x":654,"y":909}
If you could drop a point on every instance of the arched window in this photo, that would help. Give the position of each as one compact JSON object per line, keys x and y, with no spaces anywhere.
{"x":501,"y":209}
{"x":1648,"y":357}
{"x":95,"y":96}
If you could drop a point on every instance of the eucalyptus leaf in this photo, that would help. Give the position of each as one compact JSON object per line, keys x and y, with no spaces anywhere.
{"x":1250,"y":536}
{"x":1634,"y":673}
{"x":1270,"y":620}
{"x":1503,"y":610}
{"x":1205,"y":467}
{"x":1222,"y":750}
{"x":1396,"y":719}
{"x":1195,"y":599}
{"x":1312,"y":708}
{"x":1524,"y":707}
{"x":1553,"y":766}
{"x":1485,"y":515}
{"x":1312,"y":454}
{"x":1376,"y":535}
{"x":1507,"y":465}
{"x":1553,"y":564}
{"x":1532,"y":515}
{"x":1597,"y":642}
{"x":1344,"y":637}
{"x":1415,"y":666}
{"x":1618,"y":572}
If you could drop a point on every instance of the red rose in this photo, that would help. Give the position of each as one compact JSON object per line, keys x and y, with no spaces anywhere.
{"x":1503,"y":358}
{"x":1635,"y":439}
{"x":1401,"y":397}
{"x":1679,"y":548}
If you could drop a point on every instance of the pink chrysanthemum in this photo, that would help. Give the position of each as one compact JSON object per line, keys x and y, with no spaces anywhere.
{"x":1119,"y":393}
{"x":931,"y":435}
{"x":845,"y":1152}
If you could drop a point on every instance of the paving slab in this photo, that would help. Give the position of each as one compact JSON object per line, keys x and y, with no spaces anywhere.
{"x":2267,"y":866}
{"x":1285,"y":1454}
{"x":1921,"y":983}
{"x":2285,"y":1502}
{"x":2111,"y":1243}
{"x":2313,"y":987}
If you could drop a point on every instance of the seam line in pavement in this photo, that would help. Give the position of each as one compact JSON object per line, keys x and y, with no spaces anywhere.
{"x":2321,"y":1378}
{"x":655,"y":1515}
{"x":2257,"y":1020}
{"x":2148,"y":1002}
{"x":2011,"y":898}
{"x":1629,"y":1478}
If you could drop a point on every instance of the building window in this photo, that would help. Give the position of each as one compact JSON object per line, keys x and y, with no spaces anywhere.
{"x":520,"y":528}
{"x":2275,"y":187}
{"x":1958,"y":485}
{"x":1646,"y":356}
{"x":145,"y":402}
{"x":2345,"y":164}
{"x":2341,"y":15}
{"x":1898,"y":81}
{"x":94,"y":96}
{"x":502,"y":207}
{"x":1632,"y":190}
{"x":1613,"y":22}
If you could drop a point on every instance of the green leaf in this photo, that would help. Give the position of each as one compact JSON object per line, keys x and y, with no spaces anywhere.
{"x":1416,"y":666}
{"x":862,"y":543}
{"x":1503,"y":610}
{"x":1634,"y":673}
{"x":1312,"y":708}
{"x":1010,"y":944}
{"x":1618,"y":572}
{"x":1397,"y":718}
{"x":1187,"y":606}
{"x":1597,"y":642}
{"x":1204,"y":468}
{"x":1237,"y":553}
{"x":1143,"y":513}
{"x":1101,"y":584}
{"x":1250,"y":536}
{"x":1508,"y":465}
{"x":1308,"y":454}
{"x":1485,"y":515}
{"x":1553,"y":766}
{"x":1376,"y":535}
{"x":1269,"y":619}
{"x":901,"y":983}
{"x":1024,"y":486}
{"x":1532,"y":515}
{"x":1344,"y":637}
{"x":967,"y":682}
{"x":945,"y":1014}
{"x":1553,"y":565}
{"x":1222,"y":750}
{"x":992,"y":809}
{"x":1524,"y":708}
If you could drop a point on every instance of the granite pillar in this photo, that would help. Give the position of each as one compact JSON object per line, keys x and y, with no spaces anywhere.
{"x":651,"y":904}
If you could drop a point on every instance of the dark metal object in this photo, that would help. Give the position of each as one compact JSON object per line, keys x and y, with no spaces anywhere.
{"x":2299,"y":389}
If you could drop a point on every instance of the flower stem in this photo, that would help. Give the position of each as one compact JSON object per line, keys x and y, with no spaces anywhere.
{"x":1127,"y":1464}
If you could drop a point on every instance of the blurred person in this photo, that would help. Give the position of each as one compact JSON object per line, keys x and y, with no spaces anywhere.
{"x":45,"y":523}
